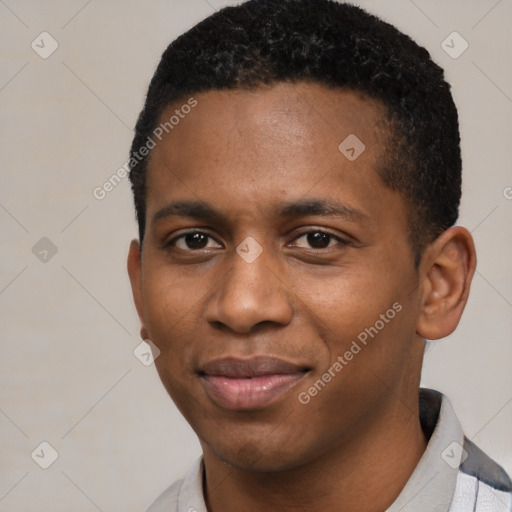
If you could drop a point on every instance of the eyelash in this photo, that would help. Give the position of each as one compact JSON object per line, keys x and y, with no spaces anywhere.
{"x":340,"y":241}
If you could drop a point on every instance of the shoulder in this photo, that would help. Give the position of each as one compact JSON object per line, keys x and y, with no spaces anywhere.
{"x":168,"y":500}
{"x":483,"y":479}
{"x":184,"y":493}
{"x":482,"y":467}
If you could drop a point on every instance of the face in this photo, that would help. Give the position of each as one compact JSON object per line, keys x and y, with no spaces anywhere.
{"x":276,"y":276}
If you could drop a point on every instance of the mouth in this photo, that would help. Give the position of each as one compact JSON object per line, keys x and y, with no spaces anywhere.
{"x":249,"y":384}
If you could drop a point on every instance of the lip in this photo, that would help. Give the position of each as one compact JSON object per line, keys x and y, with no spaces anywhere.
{"x":249,"y":384}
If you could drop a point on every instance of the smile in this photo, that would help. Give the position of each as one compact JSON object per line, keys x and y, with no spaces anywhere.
{"x":249,"y":384}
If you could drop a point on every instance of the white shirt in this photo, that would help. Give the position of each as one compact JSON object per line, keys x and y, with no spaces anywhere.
{"x":453,"y":475}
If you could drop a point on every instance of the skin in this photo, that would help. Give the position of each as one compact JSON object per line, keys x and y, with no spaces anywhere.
{"x":246,"y":154}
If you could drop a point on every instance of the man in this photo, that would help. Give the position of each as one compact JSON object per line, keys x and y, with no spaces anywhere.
{"x":296,"y":171}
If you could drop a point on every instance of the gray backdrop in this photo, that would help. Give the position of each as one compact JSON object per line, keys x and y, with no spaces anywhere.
{"x":69,"y":377}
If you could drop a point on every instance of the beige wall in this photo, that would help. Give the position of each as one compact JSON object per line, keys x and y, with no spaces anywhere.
{"x":68,"y":326}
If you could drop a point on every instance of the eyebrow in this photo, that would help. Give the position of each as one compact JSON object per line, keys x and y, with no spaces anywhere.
{"x":192,"y":209}
{"x":322,"y":207}
{"x":301,"y":208}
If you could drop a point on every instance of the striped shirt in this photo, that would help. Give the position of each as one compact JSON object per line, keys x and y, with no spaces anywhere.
{"x":453,"y":475}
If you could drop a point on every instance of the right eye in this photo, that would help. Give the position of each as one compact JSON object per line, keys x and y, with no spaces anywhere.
{"x":192,"y":241}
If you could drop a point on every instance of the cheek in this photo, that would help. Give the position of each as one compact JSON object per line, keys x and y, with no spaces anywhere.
{"x":346,"y":301}
{"x":362,"y":315}
{"x":168,"y":301}
{"x":171,"y":326}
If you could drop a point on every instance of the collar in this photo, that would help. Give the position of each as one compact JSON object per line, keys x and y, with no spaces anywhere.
{"x":432,"y":484}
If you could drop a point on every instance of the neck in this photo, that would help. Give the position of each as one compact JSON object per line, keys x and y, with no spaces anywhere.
{"x":366,"y":473}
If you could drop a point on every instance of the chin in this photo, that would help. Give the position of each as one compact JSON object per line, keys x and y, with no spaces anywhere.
{"x":256,"y":456}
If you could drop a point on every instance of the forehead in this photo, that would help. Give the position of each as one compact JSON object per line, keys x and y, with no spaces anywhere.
{"x":299,"y":114}
{"x":250,"y":148}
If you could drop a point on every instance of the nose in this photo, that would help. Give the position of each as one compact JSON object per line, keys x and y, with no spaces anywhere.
{"x":250,"y":294}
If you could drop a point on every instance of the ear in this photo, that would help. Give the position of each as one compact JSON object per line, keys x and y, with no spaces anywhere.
{"x":135,"y":273}
{"x":446,"y":271}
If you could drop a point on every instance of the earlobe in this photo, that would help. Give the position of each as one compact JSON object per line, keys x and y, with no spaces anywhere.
{"x":447,"y":270}
{"x":134,"y":266}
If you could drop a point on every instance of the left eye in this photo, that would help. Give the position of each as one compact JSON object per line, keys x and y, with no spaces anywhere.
{"x":318,"y":240}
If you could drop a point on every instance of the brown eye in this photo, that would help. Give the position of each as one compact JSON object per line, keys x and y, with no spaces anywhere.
{"x":196,"y":240}
{"x":318,"y":240}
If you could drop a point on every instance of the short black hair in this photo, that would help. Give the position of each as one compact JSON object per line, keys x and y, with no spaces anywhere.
{"x":262,"y":42}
